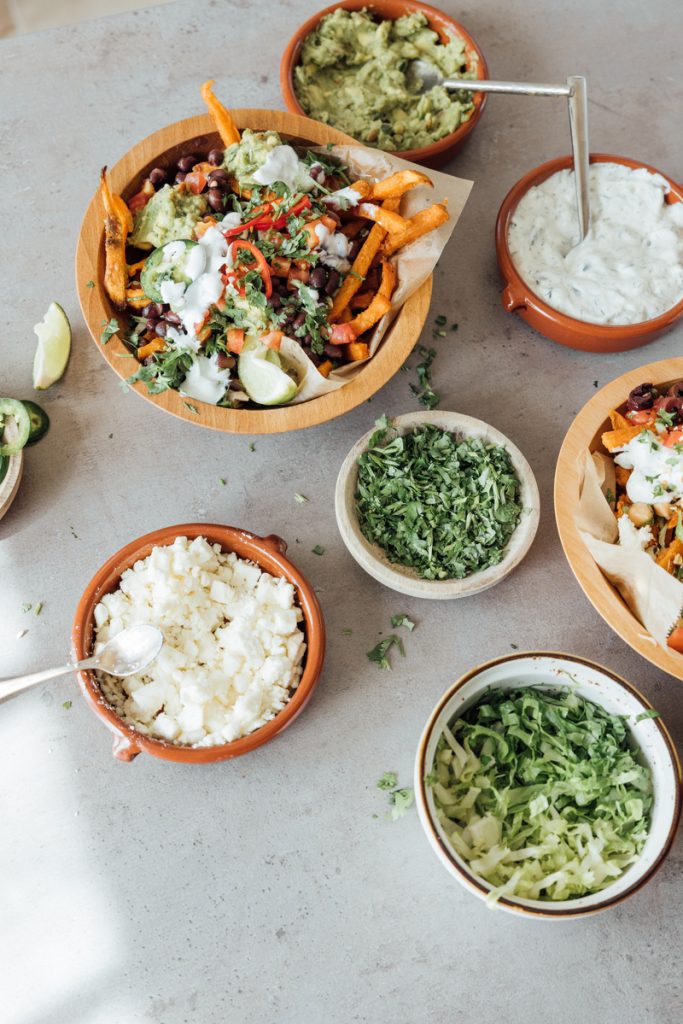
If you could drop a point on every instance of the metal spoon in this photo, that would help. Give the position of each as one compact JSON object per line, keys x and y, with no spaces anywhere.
{"x":422,"y":76}
{"x":128,"y":652}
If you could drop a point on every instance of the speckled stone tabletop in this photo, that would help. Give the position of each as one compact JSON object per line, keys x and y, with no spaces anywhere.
{"x":273,"y":888}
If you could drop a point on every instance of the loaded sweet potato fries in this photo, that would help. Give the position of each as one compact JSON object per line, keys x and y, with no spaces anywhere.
{"x":248,"y":268}
{"x":646,"y":442}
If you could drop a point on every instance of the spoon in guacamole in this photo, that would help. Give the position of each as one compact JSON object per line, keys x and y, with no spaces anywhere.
{"x":423,"y":76}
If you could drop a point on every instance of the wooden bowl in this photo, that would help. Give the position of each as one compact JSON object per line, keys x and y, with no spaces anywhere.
{"x":518,"y":297}
{"x":373,"y":559}
{"x":164,"y":147}
{"x":10,"y":483}
{"x":595,"y":683}
{"x":269,"y":554}
{"x":438,"y":153}
{"x":584,"y":433}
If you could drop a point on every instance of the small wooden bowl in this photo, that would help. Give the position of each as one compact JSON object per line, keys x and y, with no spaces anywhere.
{"x":10,"y":484}
{"x":440,"y":152}
{"x":373,"y":559}
{"x":584,"y":434}
{"x":269,"y":554}
{"x":164,"y":147}
{"x":517,"y":296}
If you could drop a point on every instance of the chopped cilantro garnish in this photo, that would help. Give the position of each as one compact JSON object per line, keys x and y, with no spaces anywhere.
{"x":347,"y":632}
{"x":67,"y":704}
{"x":26,"y":607}
{"x":109,"y":329}
{"x":191,"y":407}
{"x":651,"y":713}
{"x":301,"y":498}
{"x":402,"y":620}
{"x":388,"y":781}
{"x":401,"y":800}
{"x":38,"y":608}
{"x":221,"y":481}
{"x":89,"y":284}
{"x":318,"y":550}
{"x":379,"y":653}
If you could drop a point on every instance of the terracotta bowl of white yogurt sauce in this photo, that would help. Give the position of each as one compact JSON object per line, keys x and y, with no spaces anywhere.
{"x":528,"y":246}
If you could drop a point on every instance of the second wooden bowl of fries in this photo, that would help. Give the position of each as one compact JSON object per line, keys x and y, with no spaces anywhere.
{"x":274,"y":366}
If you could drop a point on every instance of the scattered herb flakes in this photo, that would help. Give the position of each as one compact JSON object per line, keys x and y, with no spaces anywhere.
{"x":67,"y":705}
{"x":379,"y":652}
{"x":221,"y":481}
{"x":441,"y":320}
{"x":442,"y":505}
{"x":123,"y":384}
{"x":124,"y":355}
{"x":347,"y":632}
{"x":109,"y":329}
{"x":73,"y":533}
{"x":191,"y":407}
{"x":514,"y":646}
{"x":89,"y":284}
{"x":401,"y":800}
{"x":318,"y":550}
{"x":595,"y":383}
{"x":110,"y":436}
{"x":647,"y":714}
{"x":388,"y":781}
{"x":252,"y":446}
{"x":38,"y":608}
{"x":21,"y":633}
{"x":454,"y":327}
{"x":26,"y":607}
{"x":301,"y":498}
{"x":402,"y":620}
{"x":423,"y":389}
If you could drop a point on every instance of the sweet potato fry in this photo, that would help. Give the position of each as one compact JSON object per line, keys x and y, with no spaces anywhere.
{"x":622,"y":475}
{"x":613,"y":439}
{"x":361,"y":301}
{"x":325,"y":368}
{"x":361,"y":265}
{"x":618,"y":421}
{"x":380,"y":304}
{"x":423,"y":222}
{"x":363,"y":188}
{"x":356,"y":351}
{"x":398,"y":184}
{"x":116,"y":227}
{"x":136,"y":298}
{"x":227,"y":129}
{"x":390,"y":221}
{"x":666,"y":557}
{"x":150,"y":348}
{"x":353,"y":227}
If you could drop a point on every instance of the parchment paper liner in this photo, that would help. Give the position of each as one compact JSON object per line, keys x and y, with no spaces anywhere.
{"x":654,"y":596}
{"x":414,"y":263}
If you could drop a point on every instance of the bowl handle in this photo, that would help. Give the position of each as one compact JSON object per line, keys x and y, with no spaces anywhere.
{"x":275,"y":543}
{"x":124,"y":750}
{"x":510,"y":301}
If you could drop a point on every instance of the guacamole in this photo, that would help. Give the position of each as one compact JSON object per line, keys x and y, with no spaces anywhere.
{"x":169,"y":214}
{"x":260,"y":159}
{"x":352,"y":75}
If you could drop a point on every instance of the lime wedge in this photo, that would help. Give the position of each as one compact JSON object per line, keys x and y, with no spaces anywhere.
{"x":260,"y":370}
{"x":54,"y":346}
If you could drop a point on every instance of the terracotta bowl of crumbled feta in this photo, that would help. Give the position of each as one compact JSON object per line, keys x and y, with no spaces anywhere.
{"x":622,"y":287}
{"x":244,"y":642}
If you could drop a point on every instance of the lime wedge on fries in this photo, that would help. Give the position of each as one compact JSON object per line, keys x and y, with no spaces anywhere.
{"x":263,"y":378}
{"x":54,"y":346}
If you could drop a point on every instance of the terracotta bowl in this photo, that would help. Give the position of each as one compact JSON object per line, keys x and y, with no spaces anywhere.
{"x":438,"y":153}
{"x":165,"y":147}
{"x":373,"y":559}
{"x":585,"y":433}
{"x":518,"y":297}
{"x":594,"y":683}
{"x":269,"y":554}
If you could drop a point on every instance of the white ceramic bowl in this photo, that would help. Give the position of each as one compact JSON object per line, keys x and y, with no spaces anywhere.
{"x":10,"y":482}
{"x":373,"y":559}
{"x":601,"y":686}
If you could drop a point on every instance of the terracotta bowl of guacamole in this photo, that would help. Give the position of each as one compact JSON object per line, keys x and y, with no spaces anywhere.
{"x":345,"y":67}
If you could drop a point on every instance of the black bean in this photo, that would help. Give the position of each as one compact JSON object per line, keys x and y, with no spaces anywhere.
{"x":642,"y":397}
{"x":354,"y":248}
{"x":179,"y":178}
{"x":317,"y":172}
{"x":333,"y":351}
{"x":298,"y":321}
{"x":151,"y":323}
{"x":149,"y":309}
{"x":332,"y":282}
{"x":220,"y":174}
{"x":172,"y":318}
{"x":275,"y":301}
{"x":334,"y":216}
{"x":186,"y":163}
{"x":676,"y":389}
{"x":158,"y":176}
{"x":216,"y":199}
{"x":315,"y":359}
{"x":225,"y":361}
{"x":216,"y":157}
{"x":161,"y":328}
{"x":318,"y":278}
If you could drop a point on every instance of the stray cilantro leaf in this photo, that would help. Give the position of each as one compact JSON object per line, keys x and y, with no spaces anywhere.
{"x":454,"y":327}
{"x":26,"y":607}
{"x":441,"y":320}
{"x":402,"y":620}
{"x":402,"y":799}
{"x":388,"y":781}
{"x":595,"y":383}
{"x":191,"y":407}
{"x":252,"y":447}
{"x":109,"y":329}
{"x":89,"y":284}
{"x":221,"y":481}
{"x":38,"y":608}
{"x":67,"y":704}
{"x":318,"y":550}
{"x":647,"y":714}
{"x":379,"y":652}
{"x":347,"y":632}
{"x":301,"y":498}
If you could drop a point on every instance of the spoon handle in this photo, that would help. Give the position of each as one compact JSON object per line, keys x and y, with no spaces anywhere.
{"x":11,"y":687}
{"x":521,"y":88}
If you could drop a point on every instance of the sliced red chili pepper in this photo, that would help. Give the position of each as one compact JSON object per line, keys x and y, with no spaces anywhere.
{"x":261,"y":264}
{"x":261,"y":211}
{"x":303,"y":204}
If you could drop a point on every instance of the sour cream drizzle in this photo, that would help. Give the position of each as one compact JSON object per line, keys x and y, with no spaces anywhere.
{"x":657,"y":470}
{"x":628,"y":269}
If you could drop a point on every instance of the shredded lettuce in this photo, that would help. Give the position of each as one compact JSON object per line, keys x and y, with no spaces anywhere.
{"x":541,"y":792}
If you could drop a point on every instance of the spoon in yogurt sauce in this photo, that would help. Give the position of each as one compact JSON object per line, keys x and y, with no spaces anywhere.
{"x":422,"y":77}
{"x":128,"y":652}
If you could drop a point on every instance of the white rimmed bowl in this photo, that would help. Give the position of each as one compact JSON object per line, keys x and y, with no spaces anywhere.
{"x":373,"y":559}
{"x":594,"y":683}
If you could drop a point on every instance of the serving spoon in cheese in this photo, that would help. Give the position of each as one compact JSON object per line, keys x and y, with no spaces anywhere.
{"x":422,"y":77}
{"x":128,"y":652}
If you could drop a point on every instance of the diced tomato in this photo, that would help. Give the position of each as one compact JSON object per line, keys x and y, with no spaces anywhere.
{"x":641,"y":416}
{"x":280,"y":266}
{"x":297,"y":274}
{"x":196,"y":182}
{"x":343,"y":334}
{"x":672,"y":437}
{"x":272,"y":340}
{"x":205,"y":167}
{"x":138,"y":202}
{"x":675,"y":639}
{"x":235,"y":339}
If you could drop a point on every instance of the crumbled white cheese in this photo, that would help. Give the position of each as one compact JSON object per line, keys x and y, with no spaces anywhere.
{"x":634,"y":537}
{"x":233,"y":644}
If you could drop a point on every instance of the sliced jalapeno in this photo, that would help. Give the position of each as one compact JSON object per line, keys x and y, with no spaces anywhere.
{"x":40,"y":421}
{"x":12,"y":441}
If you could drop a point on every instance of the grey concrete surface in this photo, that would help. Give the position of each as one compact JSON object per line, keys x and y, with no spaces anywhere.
{"x":273,"y":888}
